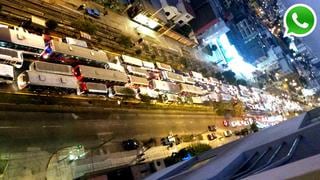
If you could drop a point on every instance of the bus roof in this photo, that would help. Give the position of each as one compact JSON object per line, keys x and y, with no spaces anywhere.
{"x":77,"y":51}
{"x":6,"y":70}
{"x":163,"y":66}
{"x":173,"y":76}
{"x":51,"y":80}
{"x":191,"y":89}
{"x":96,"y":87}
{"x":196,"y":75}
{"x":131,"y":60}
{"x":51,"y":68}
{"x":148,"y":64}
{"x":165,"y":86}
{"x":137,"y":71}
{"x":139,"y":80}
{"x":189,"y":80}
{"x":21,"y":37}
{"x":124,"y":91}
{"x":197,"y":100}
{"x":102,"y":74}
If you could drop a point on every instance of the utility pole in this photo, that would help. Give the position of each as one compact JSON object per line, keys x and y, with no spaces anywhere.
{"x":156,"y":12}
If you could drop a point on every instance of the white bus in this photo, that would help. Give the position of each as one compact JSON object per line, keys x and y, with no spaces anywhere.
{"x":131,"y":60}
{"x":41,"y":81}
{"x":173,"y":77}
{"x":11,"y":56}
{"x":6,"y":73}
{"x":20,"y":39}
{"x":149,"y":65}
{"x":69,"y":53}
{"x":138,"y":81}
{"x":137,"y":71}
{"x":196,"y":76}
{"x":93,"y":88}
{"x":166,"y":87}
{"x":164,"y":67}
{"x":93,"y":74}
{"x":190,"y":89}
{"x":41,"y":66}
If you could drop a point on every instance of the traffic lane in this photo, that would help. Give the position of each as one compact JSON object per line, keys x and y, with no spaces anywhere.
{"x":33,"y":124}
{"x":58,"y":129}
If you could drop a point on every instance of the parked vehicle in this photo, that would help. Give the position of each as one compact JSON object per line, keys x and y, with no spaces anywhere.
{"x":93,"y":12}
{"x":212,"y":128}
{"x":237,"y":133}
{"x":130,"y":144}
{"x":168,"y":141}
{"x":211,"y":137}
{"x":227,"y":133}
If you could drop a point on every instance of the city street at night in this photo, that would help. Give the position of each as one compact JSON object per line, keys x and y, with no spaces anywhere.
{"x":159,"y":89}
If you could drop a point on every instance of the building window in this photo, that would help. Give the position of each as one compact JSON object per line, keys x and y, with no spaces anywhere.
{"x":180,"y":22}
{"x":187,"y":16}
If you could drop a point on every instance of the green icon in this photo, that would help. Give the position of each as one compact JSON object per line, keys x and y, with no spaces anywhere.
{"x":300,"y":20}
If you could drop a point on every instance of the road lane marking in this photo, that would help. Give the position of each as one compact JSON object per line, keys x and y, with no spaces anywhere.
{"x":10,"y":127}
{"x":18,"y":127}
{"x":52,"y":126}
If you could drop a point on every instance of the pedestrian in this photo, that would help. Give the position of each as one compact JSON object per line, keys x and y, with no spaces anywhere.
{"x":105,"y":12}
{"x":81,"y":7}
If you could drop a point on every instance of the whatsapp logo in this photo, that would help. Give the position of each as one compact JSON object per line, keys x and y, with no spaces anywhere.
{"x":300,"y":20}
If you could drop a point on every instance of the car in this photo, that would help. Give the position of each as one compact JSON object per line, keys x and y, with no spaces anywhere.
{"x":168,"y":141}
{"x":130,"y":144}
{"x":211,"y":137}
{"x":227,"y":133}
{"x":237,"y":133}
{"x":93,"y":12}
{"x":212,"y":128}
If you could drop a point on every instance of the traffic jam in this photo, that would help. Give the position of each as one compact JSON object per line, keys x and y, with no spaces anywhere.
{"x":67,"y":66}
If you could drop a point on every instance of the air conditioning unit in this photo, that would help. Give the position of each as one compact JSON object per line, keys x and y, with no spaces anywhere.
{"x":171,"y":12}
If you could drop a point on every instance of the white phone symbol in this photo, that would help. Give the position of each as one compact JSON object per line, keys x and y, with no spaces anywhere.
{"x":296,"y":21}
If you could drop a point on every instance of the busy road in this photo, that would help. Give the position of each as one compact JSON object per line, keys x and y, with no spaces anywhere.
{"x":49,"y":130}
{"x":44,"y":65}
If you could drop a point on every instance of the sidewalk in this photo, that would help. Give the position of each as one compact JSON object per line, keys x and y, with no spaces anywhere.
{"x":33,"y":164}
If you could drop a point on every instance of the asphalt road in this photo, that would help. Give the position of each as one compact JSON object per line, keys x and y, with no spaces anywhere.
{"x":50,"y":131}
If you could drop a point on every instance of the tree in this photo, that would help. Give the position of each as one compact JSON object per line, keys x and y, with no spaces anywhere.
{"x":1,"y":7}
{"x":244,"y":131}
{"x":197,"y":149}
{"x":204,"y":71}
{"x":51,"y":24}
{"x":254,"y":127}
{"x":125,"y":41}
{"x":223,"y":108}
{"x":218,"y":76}
{"x":239,"y":109}
{"x":138,"y":52}
{"x":230,"y":77}
{"x":85,"y":25}
{"x":303,"y":81}
{"x":190,"y":151}
{"x":242,"y":82}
